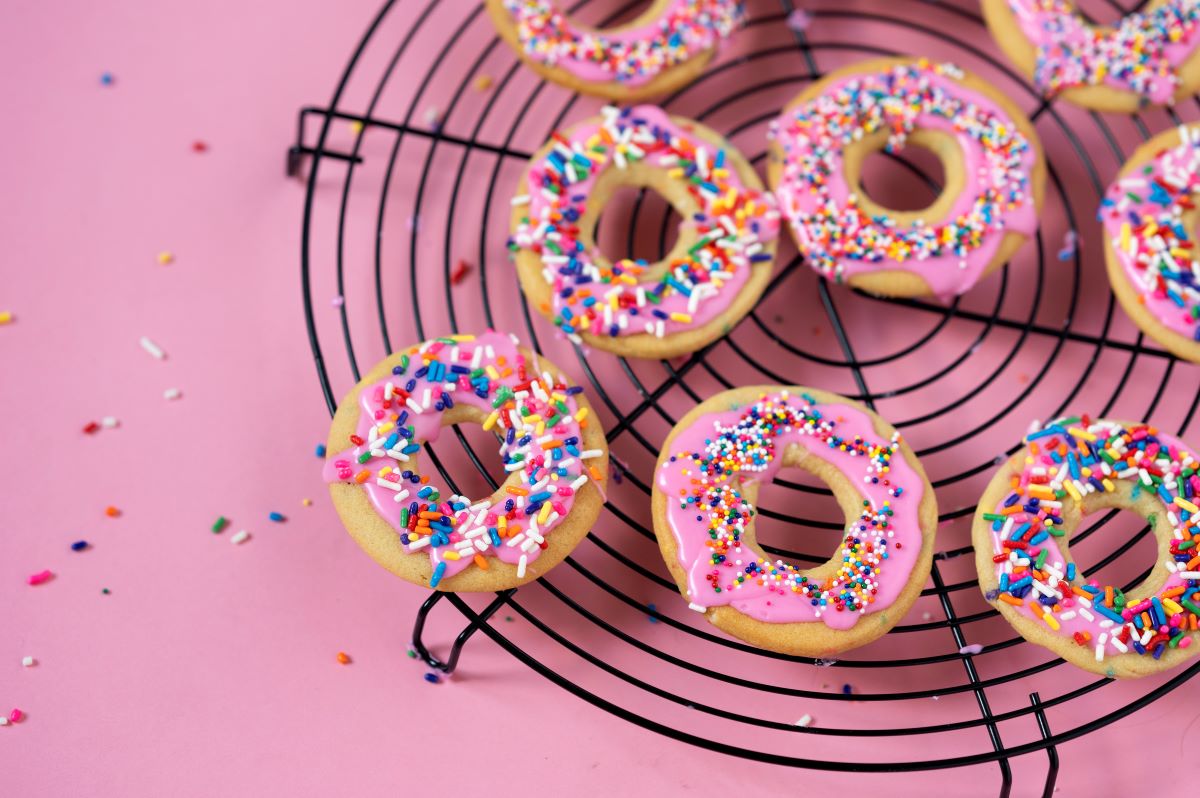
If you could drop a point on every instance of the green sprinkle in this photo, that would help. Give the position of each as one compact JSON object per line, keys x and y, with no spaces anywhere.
{"x":364,"y":457}
{"x":1190,"y":607}
{"x":1041,"y":559}
{"x":219,"y":524}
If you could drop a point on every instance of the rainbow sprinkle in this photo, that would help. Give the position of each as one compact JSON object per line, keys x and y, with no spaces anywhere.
{"x":589,"y":294}
{"x":748,"y":446}
{"x":835,"y":233}
{"x":1067,"y":460}
{"x":1141,"y":53}
{"x":1143,"y":215}
{"x":539,"y":424}
{"x":685,"y":28}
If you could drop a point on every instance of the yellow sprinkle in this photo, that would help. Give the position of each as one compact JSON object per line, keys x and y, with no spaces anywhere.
{"x":1125,"y":233}
{"x":1081,"y":433}
{"x":165,"y":257}
{"x":1187,"y":505}
{"x":306,"y":502}
{"x":356,"y":127}
{"x":582,"y":414}
{"x":450,"y":555}
{"x":491,"y":372}
{"x":490,"y":421}
{"x":6,"y":317}
{"x":544,"y":514}
{"x":1171,"y":606}
{"x":1071,"y":489}
{"x":462,"y":338}
{"x":1108,"y":486}
{"x":502,"y":522}
{"x":483,"y":82}
{"x":685,"y":318}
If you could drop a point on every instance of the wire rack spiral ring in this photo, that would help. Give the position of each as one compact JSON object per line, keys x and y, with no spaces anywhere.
{"x":1013,"y":323}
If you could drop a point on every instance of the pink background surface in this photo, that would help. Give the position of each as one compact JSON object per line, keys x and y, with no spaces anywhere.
{"x":210,"y":669}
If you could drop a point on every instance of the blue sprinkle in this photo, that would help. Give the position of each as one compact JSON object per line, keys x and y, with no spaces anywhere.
{"x":433,"y":678}
{"x":79,"y":545}
{"x":320,"y":450}
{"x":277,"y":517}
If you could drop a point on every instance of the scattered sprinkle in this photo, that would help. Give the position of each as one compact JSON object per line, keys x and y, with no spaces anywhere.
{"x":171,"y":394}
{"x":105,"y":591}
{"x":110,"y":422}
{"x":220,"y":524}
{"x":1069,"y":245}
{"x":651,"y":618}
{"x":461,"y":269}
{"x":80,"y":545}
{"x":483,"y":82}
{"x":6,"y":317}
{"x":343,"y":658}
{"x":40,"y":577}
{"x":112,"y":512}
{"x":240,"y":537}
{"x":805,"y":721}
{"x":799,"y":20}
{"x":433,"y":117}
{"x":338,"y":301}
{"x":28,"y":662}
{"x":846,"y":689}
{"x":199,"y":146}
{"x":165,"y":257}
{"x":412,"y":654}
{"x":320,"y":450}
{"x":154,"y":349}
{"x":107,"y":79}
{"x":91,"y":428}
{"x":306,"y":502}
{"x":973,"y":648}
{"x":277,"y":517}
{"x":433,"y":678}
{"x":16,"y":716}
{"x":356,"y":127}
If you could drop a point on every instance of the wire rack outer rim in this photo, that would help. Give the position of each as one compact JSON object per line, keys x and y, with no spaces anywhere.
{"x":478,"y":621}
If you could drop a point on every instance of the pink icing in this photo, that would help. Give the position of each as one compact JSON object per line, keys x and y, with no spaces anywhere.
{"x":841,"y":435}
{"x":1142,"y":53}
{"x":734,"y":223}
{"x":419,"y":402}
{"x":950,"y":254}
{"x":1143,"y":219}
{"x":633,"y":56}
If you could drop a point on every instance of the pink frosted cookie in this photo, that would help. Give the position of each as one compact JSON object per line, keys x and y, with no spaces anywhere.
{"x":995,"y":176}
{"x":1032,"y":507}
{"x":1149,"y":215}
{"x":1148,"y":57}
{"x":716,"y":271}
{"x":705,"y":487}
{"x":664,"y":49}
{"x":552,"y":449}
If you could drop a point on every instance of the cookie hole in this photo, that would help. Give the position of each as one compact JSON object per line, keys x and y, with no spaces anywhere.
{"x":1104,"y":547}
{"x":793,"y":522}
{"x":637,"y":223}
{"x":609,"y":14}
{"x":467,"y":476}
{"x":1103,"y":13}
{"x":908,"y":180}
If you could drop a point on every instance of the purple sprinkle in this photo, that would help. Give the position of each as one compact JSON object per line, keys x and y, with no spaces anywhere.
{"x":974,"y":648}
{"x":799,"y":20}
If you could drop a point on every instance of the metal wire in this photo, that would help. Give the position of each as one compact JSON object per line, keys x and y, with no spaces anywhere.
{"x":544,"y":605}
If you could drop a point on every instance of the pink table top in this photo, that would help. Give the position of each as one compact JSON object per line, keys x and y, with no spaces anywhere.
{"x":210,"y":668}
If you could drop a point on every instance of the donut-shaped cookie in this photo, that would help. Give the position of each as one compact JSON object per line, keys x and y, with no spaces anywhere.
{"x":705,"y":486}
{"x":1150,"y":217}
{"x":553,"y":450}
{"x":1034,"y":504}
{"x":995,"y":177}
{"x":664,"y":49}
{"x":711,"y":278}
{"x":1148,"y":57}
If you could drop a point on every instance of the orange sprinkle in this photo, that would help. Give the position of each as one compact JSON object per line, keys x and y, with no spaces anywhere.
{"x":481,"y":561}
{"x":1013,"y":600}
{"x":343,"y":658}
{"x":1108,"y":596}
{"x":362,"y":476}
{"x":111,"y":512}
{"x":595,"y":474}
{"x":516,"y":491}
{"x":552,"y":445}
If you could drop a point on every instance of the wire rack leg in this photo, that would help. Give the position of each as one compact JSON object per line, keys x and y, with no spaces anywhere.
{"x":451,"y":662}
{"x":1051,"y":751}
{"x":973,"y":675}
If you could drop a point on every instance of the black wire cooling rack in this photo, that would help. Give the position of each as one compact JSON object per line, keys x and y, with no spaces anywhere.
{"x":410,"y":177}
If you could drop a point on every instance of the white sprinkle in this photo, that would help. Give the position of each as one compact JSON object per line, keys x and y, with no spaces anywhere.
{"x":805,"y":720}
{"x":521,"y":566}
{"x":1188,"y":574}
{"x":3,"y":721}
{"x":694,"y":606}
{"x":110,"y":422}
{"x":29,"y":662}
{"x":154,"y":349}
{"x":974,"y":648}
{"x":241,"y":537}
{"x":172,"y":393}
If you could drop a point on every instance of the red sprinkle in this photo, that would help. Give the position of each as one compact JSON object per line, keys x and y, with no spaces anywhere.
{"x":92,"y":428}
{"x":461,"y":269}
